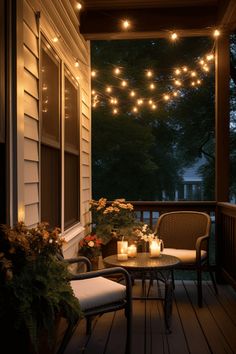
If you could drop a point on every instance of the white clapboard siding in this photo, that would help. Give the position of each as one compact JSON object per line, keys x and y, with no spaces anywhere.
{"x":86,"y":121}
{"x":31,"y":172}
{"x":31,"y":84}
{"x":31,"y":106}
{"x":85,"y":97}
{"x":31,"y":128}
{"x":30,"y":40}
{"x":31,"y":118}
{"x":30,"y":18}
{"x":85,"y":158}
{"x":31,"y":214}
{"x":85,"y":110}
{"x":86,"y":194}
{"x":85,"y":171}
{"x":31,"y":62}
{"x":85,"y":134}
{"x":31,"y":151}
{"x":31,"y":193}
{"x":86,"y":182}
{"x":85,"y":146}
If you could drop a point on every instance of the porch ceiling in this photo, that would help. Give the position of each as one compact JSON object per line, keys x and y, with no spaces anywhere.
{"x":101,"y":19}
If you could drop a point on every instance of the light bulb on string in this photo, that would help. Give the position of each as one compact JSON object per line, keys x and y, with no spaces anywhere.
{"x":123,"y":83}
{"x":166,"y":97}
{"x":135,"y":109}
{"x":125,"y":24}
{"x":132,"y":93}
{"x":93,"y":73}
{"x":175,"y":94}
{"x":173,"y":36}
{"x":152,"y":86}
{"x":185,"y":69}
{"x":198,"y":82}
{"x":193,"y":74}
{"x":202,"y":62}
{"x":177,"y":71}
{"x":149,"y":73}
{"x":115,"y":111}
{"x":206,"y":68}
{"x":210,"y":57}
{"x":93,"y":92}
{"x":108,"y":89}
{"x":193,"y":83}
{"x":79,"y":6}
{"x":154,"y":106}
{"x":77,"y":63}
{"x":117,"y":71}
{"x":216,"y":33}
{"x":150,"y":102}
{"x":177,"y":82}
{"x":140,"y":101}
{"x":55,"y":39}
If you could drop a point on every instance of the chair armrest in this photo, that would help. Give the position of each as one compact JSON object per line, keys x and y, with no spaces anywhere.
{"x":80,"y":259}
{"x":105,"y":272}
{"x":199,"y":243}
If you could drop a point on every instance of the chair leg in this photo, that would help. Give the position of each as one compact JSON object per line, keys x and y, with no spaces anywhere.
{"x":199,"y":287}
{"x":173,"y":278}
{"x":128,"y":314}
{"x":213,"y":281}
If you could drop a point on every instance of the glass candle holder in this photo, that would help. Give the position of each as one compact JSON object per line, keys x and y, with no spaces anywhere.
{"x":122,"y":250}
{"x":132,"y":251}
{"x":155,"y":248}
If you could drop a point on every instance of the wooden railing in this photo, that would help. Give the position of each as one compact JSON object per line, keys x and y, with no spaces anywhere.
{"x":150,"y":211}
{"x":226,"y":241}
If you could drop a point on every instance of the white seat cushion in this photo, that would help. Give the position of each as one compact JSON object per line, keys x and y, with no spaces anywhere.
{"x":185,"y":256}
{"x":98,"y":291}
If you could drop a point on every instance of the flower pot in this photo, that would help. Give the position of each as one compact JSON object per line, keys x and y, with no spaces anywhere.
{"x":95,"y":262}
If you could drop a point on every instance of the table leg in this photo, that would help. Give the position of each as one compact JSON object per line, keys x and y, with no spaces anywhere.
{"x":168,"y":304}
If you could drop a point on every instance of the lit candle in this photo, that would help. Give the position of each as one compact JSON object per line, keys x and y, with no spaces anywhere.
{"x":132,"y":251}
{"x":155,"y":248}
{"x":122,"y":250}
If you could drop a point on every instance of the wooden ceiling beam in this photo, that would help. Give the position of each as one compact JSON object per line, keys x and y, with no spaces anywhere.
{"x":95,"y":24}
{"x":227,"y":15}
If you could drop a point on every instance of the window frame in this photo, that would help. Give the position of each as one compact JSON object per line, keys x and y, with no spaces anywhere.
{"x":64,"y":66}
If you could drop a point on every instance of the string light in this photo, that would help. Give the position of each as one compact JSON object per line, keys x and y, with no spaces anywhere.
{"x":93,"y":92}
{"x":123,"y":83}
{"x":185,"y":69}
{"x":79,"y":6}
{"x":132,"y":93}
{"x":173,"y":36}
{"x":151,"y":86}
{"x":175,"y":94}
{"x":166,"y":97}
{"x":135,"y":109}
{"x":108,"y":89}
{"x":198,"y":82}
{"x":117,"y":71}
{"x":154,"y":106}
{"x":177,"y":82}
{"x":193,"y":74}
{"x":150,"y":102}
{"x":177,"y":71}
{"x":125,"y":24}
{"x":93,"y":73}
{"x":140,"y":101}
{"x":216,"y":33}
{"x":77,"y":63}
{"x":115,"y":111}
{"x":149,"y":73}
{"x":210,"y":57}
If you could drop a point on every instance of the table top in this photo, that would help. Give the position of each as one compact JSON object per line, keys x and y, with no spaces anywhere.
{"x":143,"y":262}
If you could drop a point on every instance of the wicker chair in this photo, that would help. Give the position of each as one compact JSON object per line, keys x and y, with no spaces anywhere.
{"x":186,"y":235}
{"x":98,"y":295}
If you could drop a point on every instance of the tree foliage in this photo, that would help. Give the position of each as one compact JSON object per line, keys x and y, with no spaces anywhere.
{"x":140,"y":156}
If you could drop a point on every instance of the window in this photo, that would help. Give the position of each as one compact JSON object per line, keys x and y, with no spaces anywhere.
{"x":60,"y":152}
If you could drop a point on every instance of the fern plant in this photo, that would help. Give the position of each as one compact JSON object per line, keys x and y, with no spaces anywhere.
{"x":34,"y":282}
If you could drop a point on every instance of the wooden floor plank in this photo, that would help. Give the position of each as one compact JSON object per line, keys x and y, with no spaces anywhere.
{"x":195,"y":338}
{"x":117,"y":338}
{"x":224,"y":322}
{"x":210,"y":329}
{"x":215,"y":338}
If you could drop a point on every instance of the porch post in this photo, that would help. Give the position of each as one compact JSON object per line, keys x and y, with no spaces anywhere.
{"x":222,"y":77}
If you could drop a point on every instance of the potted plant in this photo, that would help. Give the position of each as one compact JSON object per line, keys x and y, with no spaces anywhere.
{"x":34,"y":288}
{"x":90,"y":247}
{"x":112,"y":221}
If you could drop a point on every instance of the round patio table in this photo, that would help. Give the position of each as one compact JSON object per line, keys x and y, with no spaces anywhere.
{"x":146,"y":268}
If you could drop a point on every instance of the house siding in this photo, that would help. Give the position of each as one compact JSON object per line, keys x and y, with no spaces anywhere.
{"x":51,"y":18}
{"x":31,"y":115}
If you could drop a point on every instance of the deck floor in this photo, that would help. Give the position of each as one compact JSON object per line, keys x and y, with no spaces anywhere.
{"x":211,"y":329}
